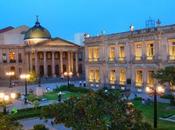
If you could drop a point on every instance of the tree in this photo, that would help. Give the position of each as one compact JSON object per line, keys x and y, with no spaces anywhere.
{"x":97,"y":111}
{"x":7,"y":124}
{"x":33,"y":77}
{"x":166,"y":75}
{"x":39,"y":127}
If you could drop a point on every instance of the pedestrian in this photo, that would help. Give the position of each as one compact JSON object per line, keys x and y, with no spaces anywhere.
{"x":80,"y":83}
{"x":84,"y":84}
{"x":52,"y":123}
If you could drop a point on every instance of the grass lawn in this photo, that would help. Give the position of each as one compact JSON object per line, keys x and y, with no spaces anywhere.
{"x":147,"y":111}
{"x":66,"y":95}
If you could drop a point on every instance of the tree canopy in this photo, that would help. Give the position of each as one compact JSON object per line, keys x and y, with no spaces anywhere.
{"x":97,"y":111}
{"x":7,"y":124}
{"x":166,"y":75}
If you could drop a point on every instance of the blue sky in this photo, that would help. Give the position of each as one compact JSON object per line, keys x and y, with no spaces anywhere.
{"x":64,"y":18}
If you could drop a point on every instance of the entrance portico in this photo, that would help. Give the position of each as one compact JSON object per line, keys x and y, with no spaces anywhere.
{"x":49,"y":57}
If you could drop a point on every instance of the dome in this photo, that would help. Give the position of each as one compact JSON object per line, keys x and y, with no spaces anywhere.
{"x":37,"y":31}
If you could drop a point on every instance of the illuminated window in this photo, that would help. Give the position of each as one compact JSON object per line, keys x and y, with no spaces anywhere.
{"x":97,"y":76}
{"x":90,"y":54}
{"x":150,"y":51}
{"x":91,"y":75}
{"x":4,"y":57}
{"x":139,"y":78}
{"x":96,"y":54}
{"x":49,"y":55}
{"x":93,"y":53}
{"x":122,"y":79}
{"x":112,"y":77}
{"x":40,"y":55}
{"x":94,"y":76}
{"x":56,"y":55}
{"x":172,"y":51}
{"x":12,"y":56}
{"x":111,"y":53}
{"x":138,"y":52}
{"x":150,"y":78}
{"x":121,"y":53}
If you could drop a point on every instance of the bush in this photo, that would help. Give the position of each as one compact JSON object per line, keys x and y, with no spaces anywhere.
{"x":39,"y":127}
{"x":167,"y":96}
{"x":71,"y":89}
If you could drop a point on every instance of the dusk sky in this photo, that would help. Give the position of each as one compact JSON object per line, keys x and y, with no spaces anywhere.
{"x":64,"y":18}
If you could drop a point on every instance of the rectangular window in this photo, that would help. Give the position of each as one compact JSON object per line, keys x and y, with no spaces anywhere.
{"x":138,"y":52}
{"x":150,"y":51}
{"x":40,"y":55}
{"x":111,"y":53}
{"x":150,"y":78}
{"x":90,"y":54}
{"x":172,"y":51}
{"x":12,"y":56}
{"x":121,"y":53}
{"x":122,"y":79}
{"x":96,"y":54}
{"x":93,"y":54}
{"x":80,"y":57}
{"x":94,"y":76}
{"x":139,"y":78}
{"x":91,"y":76}
{"x":4,"y":58}
{"x":19,"y":58}
{"x":49,"y":55}
{"x":112,"y":77}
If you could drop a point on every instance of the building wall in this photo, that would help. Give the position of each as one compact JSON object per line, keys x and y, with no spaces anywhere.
{"x":137,"y":67}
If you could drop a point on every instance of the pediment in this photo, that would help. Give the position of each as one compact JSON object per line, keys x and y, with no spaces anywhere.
{"x":56,"y":42}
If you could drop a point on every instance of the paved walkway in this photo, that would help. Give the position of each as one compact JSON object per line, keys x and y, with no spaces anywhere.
{"x":29,"y":123}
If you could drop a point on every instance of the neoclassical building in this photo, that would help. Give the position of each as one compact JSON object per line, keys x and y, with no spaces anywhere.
{"x":129,"y":59}
{"x":25,"y":49}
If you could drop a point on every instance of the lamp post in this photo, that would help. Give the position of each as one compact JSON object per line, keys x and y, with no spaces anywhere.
{"x":68,"y":75}
{"x":155,"y":91}
{"x":59,"y":96}
{"x":10,"y":74}
{"x":25,"y":77}
{"x":6,"y":98}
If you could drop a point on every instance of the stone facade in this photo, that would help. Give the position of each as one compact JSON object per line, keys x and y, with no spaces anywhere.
{"x":129,"y":59}
{"x":46,"y":57}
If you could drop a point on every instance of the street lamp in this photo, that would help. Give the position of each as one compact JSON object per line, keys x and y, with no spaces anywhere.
{"x":25,"y":77}
{"x":68,"y":75}
{"x":6,"y":98}
{"x":155,"y":91}
{"x":59,"y":96}
{"x":10,"y":74}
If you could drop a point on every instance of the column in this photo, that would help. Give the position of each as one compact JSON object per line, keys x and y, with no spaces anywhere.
{"x":36,"y":62}
{"x":45,"y":65}
{"x":72,"y":61}
{"x":53,"y":64}
{"x":68,"y":62}
{"x":27,"y":67}
{"x":61,"y":63}
{"x":76,"y":63}
{"x":31,"y":64}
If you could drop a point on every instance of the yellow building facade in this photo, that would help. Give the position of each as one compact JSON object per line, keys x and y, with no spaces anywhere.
{"x":129,"y":59}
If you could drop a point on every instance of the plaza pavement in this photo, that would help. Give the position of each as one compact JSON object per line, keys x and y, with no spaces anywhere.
{"x":30,"y":122}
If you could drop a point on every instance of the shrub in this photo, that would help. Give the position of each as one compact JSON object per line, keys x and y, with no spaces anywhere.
{"x":39,"y":127}
{"x":71,"y":89}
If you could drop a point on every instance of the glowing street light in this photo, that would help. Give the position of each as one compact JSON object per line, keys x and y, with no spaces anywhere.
{"x":68,"y":75}
{"x":155,"y":91}
{"x":25,"y":77}
{"x":10,"y":74}
{"x":6,"y":98}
